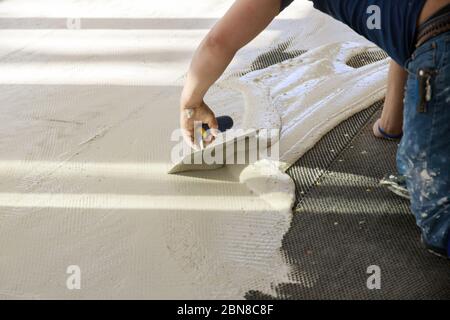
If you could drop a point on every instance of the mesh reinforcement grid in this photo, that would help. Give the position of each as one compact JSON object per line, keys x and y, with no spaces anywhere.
{"x":344,"y":222}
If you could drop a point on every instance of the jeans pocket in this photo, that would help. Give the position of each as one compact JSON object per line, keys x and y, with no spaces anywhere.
{"x":423,"y":58}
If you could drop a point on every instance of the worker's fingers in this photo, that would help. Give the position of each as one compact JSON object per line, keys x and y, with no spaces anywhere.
{"x":201,"y":114}
{"x":206,"y":115}
{"x":187,"y":128}
{"x":188,"y":118}
{"x":376,"y":129}
{"x":209,"y":118}
{"x":212,"y":124}
{"x":188,"y":137}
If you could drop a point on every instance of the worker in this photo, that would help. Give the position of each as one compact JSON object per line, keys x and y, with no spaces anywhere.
{"x":415,"y":34}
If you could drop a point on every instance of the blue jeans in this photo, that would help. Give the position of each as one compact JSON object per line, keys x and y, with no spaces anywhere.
{"x":423,"y":156}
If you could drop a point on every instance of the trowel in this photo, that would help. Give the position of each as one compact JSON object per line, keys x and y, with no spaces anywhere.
{"x":194,"y":161}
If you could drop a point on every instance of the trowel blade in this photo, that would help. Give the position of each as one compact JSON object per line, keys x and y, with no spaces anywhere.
{"x":186,"y":163}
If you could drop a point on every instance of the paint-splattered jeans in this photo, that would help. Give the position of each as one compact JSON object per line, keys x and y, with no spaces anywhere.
{"x":424,"y":153}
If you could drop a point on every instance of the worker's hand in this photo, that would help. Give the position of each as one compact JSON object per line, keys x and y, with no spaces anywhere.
{"x":189,"y":114}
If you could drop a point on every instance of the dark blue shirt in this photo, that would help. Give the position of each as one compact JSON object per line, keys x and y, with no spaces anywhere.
{"x":397,"y":25}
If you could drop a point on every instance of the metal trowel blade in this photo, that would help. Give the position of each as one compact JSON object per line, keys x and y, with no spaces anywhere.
{"x":186,"y":163}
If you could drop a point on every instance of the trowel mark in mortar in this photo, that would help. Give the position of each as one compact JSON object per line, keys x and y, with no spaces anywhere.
{"x":274,"y":56}
{"x":365,"y":58}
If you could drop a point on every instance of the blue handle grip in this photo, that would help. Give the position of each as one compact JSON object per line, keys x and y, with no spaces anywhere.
{"x":225,"y":123}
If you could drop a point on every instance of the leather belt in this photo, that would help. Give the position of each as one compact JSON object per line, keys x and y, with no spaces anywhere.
{"x":432,"y":28}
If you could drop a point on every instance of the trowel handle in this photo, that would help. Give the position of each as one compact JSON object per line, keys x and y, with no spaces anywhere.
{"x":225,"y":123}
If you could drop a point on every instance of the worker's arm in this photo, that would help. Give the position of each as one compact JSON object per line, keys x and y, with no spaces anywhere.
{"x":241,"y":24}
{"x":391,"y":121}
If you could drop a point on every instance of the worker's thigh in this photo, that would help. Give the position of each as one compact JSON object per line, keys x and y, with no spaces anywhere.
{"x":424,"y":152}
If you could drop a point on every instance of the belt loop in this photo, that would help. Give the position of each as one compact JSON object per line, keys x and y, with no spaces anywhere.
{"x":405,"y":66}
